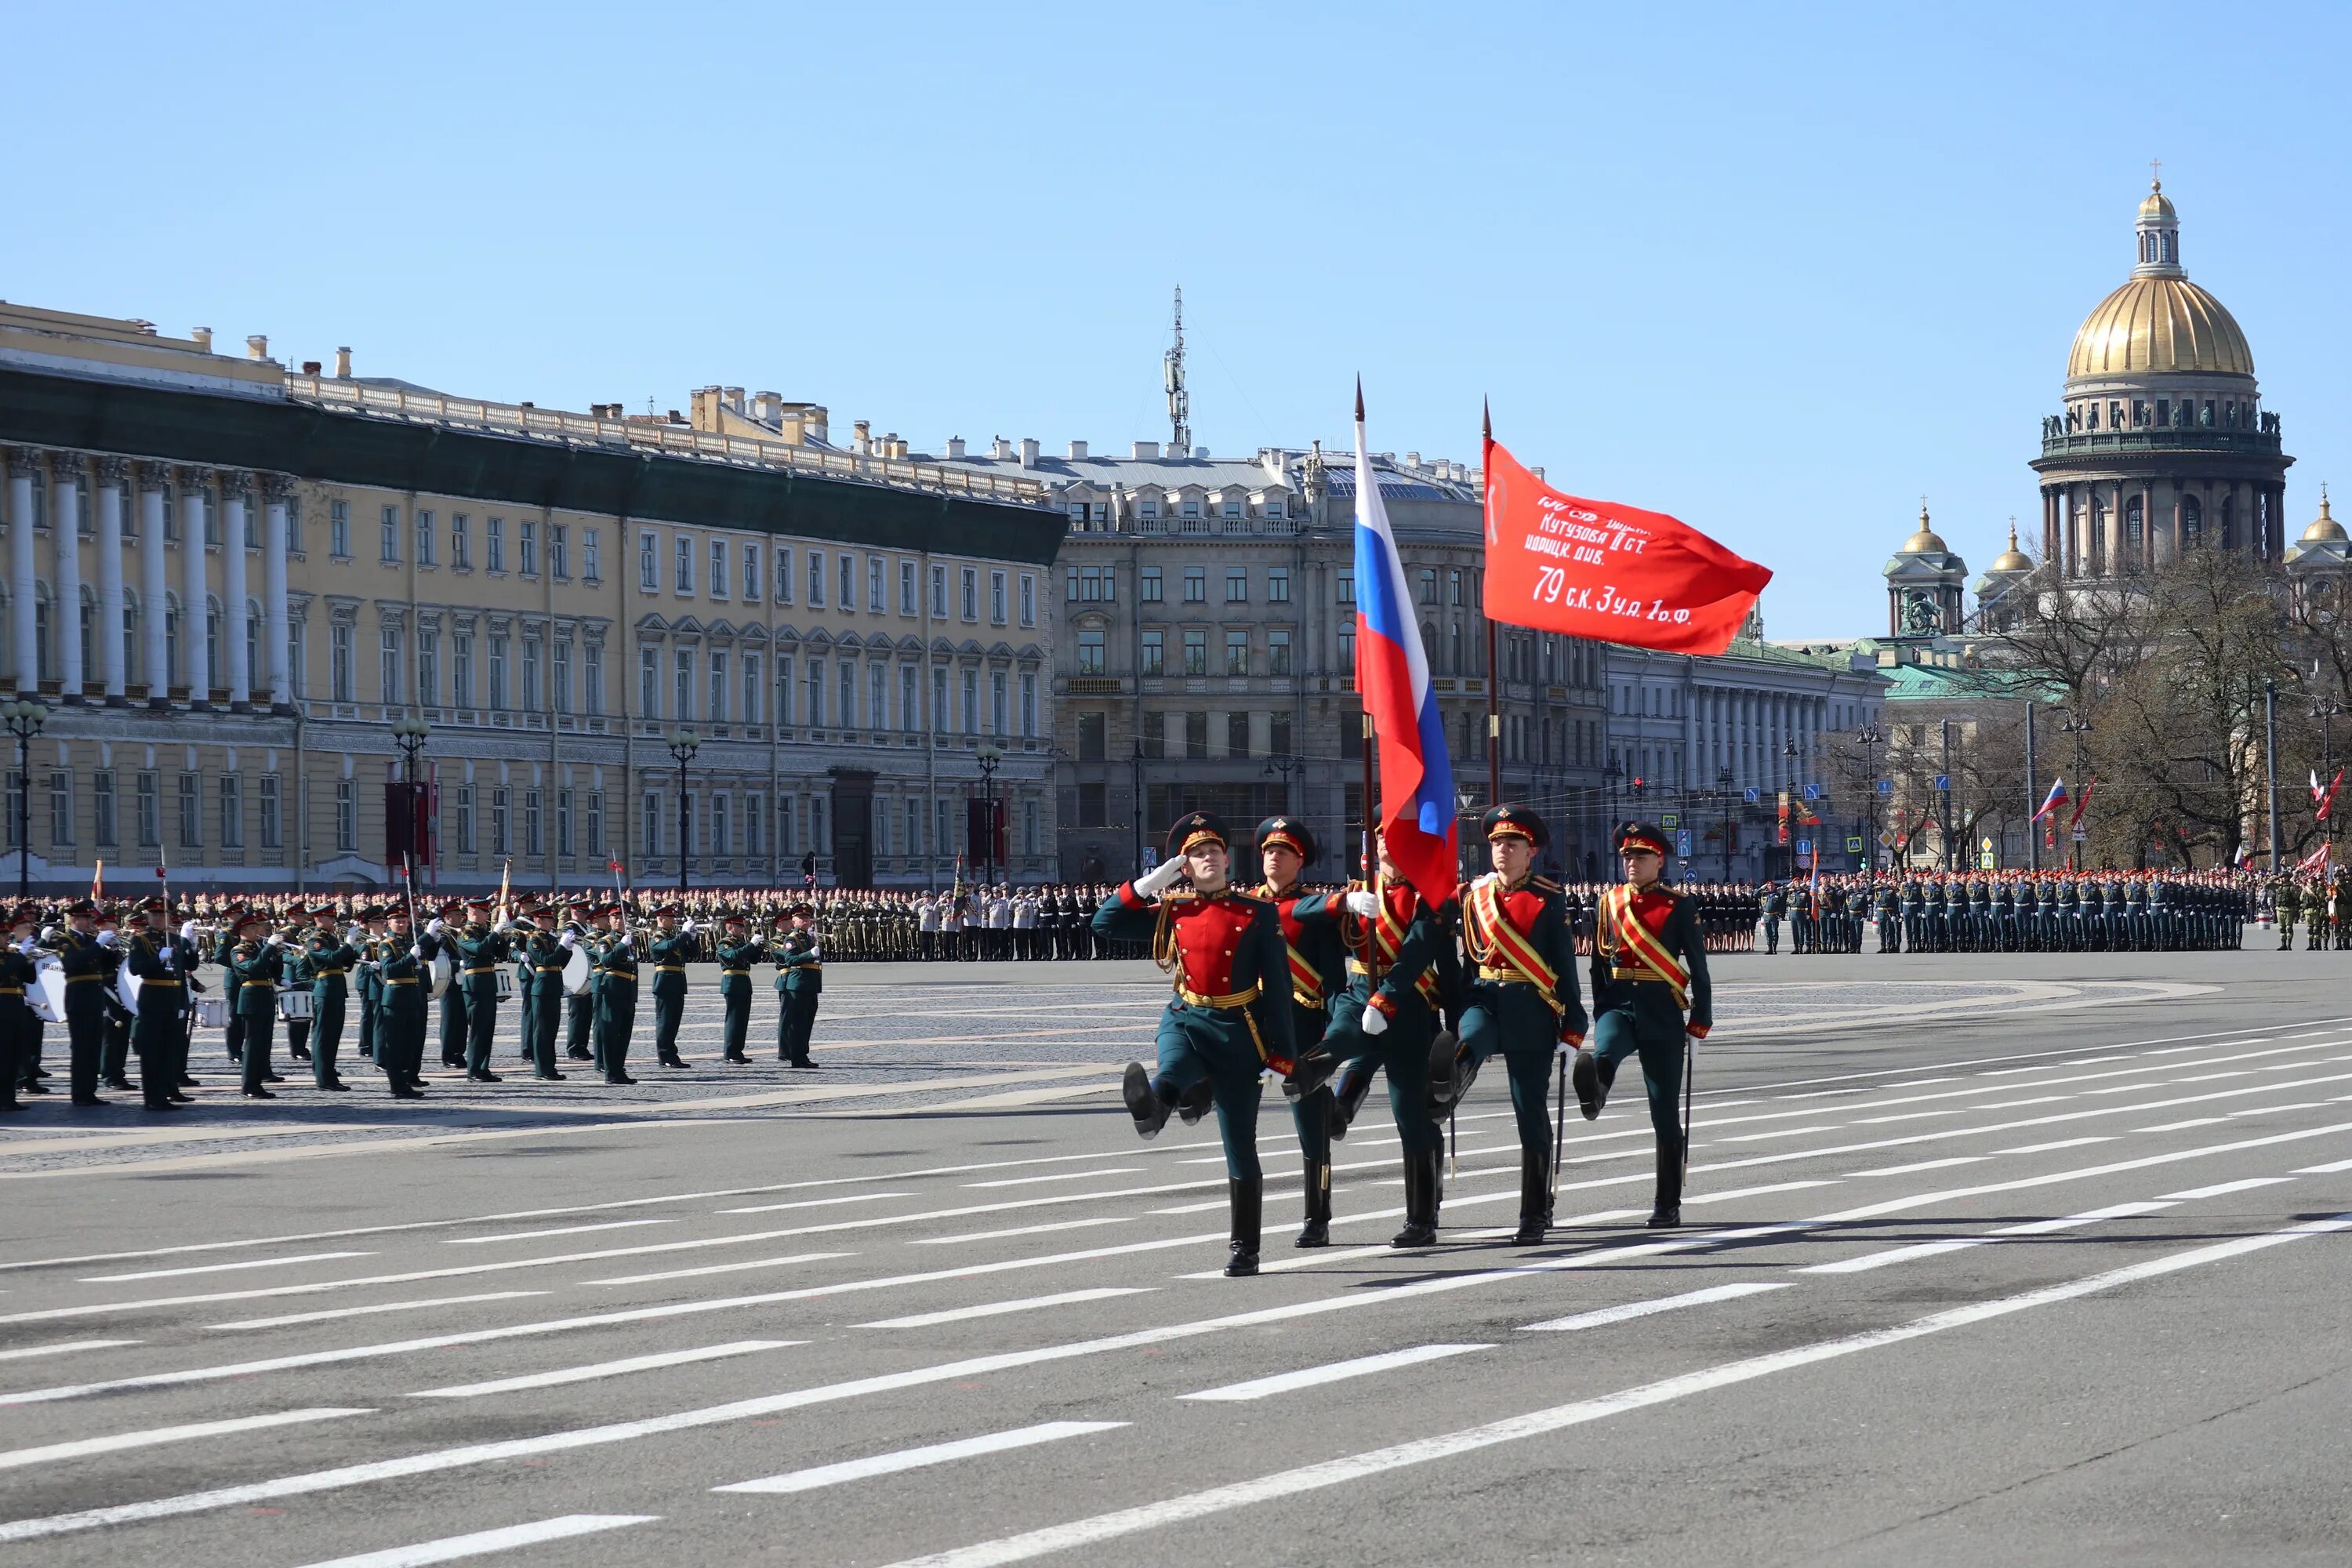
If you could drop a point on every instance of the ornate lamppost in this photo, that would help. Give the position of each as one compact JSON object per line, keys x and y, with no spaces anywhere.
{"x":24,"y":717}
{"x":683,"y":744}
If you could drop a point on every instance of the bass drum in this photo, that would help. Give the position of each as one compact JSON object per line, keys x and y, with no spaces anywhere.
{"x":575,"y":972}
{"x":440,"y":972}
{"x":126,"y":988}
{"x":47,"y":994}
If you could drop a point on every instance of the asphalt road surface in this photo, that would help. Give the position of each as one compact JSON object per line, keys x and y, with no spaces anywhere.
{"x":2015,"y":1261}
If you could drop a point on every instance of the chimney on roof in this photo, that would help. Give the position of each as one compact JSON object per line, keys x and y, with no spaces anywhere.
{"x":204,"y":339}
{"x":1028,"y":452}
{"x":257,"y":346}
{"x":1147,"y":451}
{"x":892,"y":447}
{"x":1078,"y":451}
{"x":1413,"y":459}
{"x":735,"y":398}
{"x":767,"y":408}
{"x":861,"y":439}
{"x":344,"y":363}
{"x":1200,"y":454}
{"x":999,"y":450}
{"x":310,"y":367}
{"x":955,"y":447}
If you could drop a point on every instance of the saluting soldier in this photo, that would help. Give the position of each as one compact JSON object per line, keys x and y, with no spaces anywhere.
{"x":86,"y":971}
{"x":800,"y":982}
{"x":255,"y":965}
{"x":614,"y":954}
{"x":670,"y":951}
{"x":1318,"y":963}
{"x":738,"y":950}
{"x":1649,"y":970}
{"x":331,"y":958}
{"x":1524,"y":1002}
{"x":1230,"y":1018}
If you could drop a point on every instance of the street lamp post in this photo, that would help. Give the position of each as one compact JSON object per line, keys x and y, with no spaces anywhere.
{"x":2325,"y":709}
{"x":683,"y":744}
{"x":23,"y":718}
{"x":1790,"y":754}
{"x":1869,"y":738}
{"x":1284,"y":765}
{"x":1724,"y":782}
{"x":989,"y":756}
{"x":410,"y":733}
{"x":2076,"y":726}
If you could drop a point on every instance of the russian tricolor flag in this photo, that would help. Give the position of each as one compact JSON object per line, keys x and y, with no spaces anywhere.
{"x":2052,"y":802}
{"x":1416,"y":783}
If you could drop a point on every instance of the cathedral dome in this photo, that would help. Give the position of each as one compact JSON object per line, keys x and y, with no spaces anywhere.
{"x":2324,"y":529}
{"x":2159,"y":322}
{"x":1926,"y":540}
{"x":2011,"y":559}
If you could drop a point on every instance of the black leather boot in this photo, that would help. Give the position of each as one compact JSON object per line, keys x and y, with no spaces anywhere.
{"x":1346,"y":1101}
{"x":1451,"y":1071}
{"x":1248,"y":1200}
{"x":1534,"y":1197}
{"x":1317,"y":1232}
{"x":1584,"y":1076}
{"x":1151,"y":1113}
{"x":1313,"y":1069}
{"x":1668,"y":1212}
{"x":1198,"y":1102}
{"x":1419,"y":1201}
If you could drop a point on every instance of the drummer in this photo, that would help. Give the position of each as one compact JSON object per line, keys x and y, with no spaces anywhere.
{"x":16,"y":1011}
{"x":331,"y":958}
{"x":542,"y":999}
{"x":580,"y":999}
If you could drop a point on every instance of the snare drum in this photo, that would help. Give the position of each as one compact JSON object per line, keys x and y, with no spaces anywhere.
{"x":294,"y":1006}
{"x":505,"y":983}
{"x":212,"y":1012}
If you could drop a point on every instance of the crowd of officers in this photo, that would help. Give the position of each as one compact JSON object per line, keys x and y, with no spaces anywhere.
{"x":2014,"y":911}
{"x":130,"y":989}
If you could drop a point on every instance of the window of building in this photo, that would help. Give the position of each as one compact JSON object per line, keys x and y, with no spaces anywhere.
{"x":649,"y":683}
{"x":816,"y":579}
{"x":1029,"y":705}
{"x":1277,"y":651}
{"x":388,"y":541}
{"x":682,"y":565}
{"x":1028,"y":599}
{"x":1453,"y":586}
{"x":717,"y":568}
{"x":339,"y":662}
{"x":347,"y":814}
{"x":1348,"y":649}
{"x":562,"y":693}
{"x":1346,"y":589}
{"x":563,"y":841}
{"x":1093,"y":730}
{"x":498,"y":646}
{"x":649,"y":564}
{"x":878,"y":591}
{"x":877,"y":695}
{"x":846,"y":578}
{"x":1428,"y":585}
{"x":61,"y":812}
{"x":339,"y":528}
{"x":1196,"y":584}
{"x":1236,"y":585}
{"x":1196,"y":653}
{"x":461,"y":543}
{"x":1237,"y":734}
{"x":597,"y":822}
{"x":1155,"y":653}
{"x":971,"y":702}
{"x":1237,"y":653}
{"x":424,"y":536}
{"x":721,"y":840}
{"x":783,"y":575}
{"x":752,"y":690}
{"x":717,"y":684}
{"x":530,"y":687}
{"x":388,"y":682}
{"x":1196,"y":736}
{"x":996,"y":598}
{"x":150,"y":810}
{"x":526,"y":547}
{"x":592,"y":678}
{"x":466,"y":819}
{"x":428,"y":668}
{"x":972,"y":594}
{"x":907,"y":588}
{"x":996,"y":715}
{"x":682,"y":670}
{"x":846,"y":689}
{"x":784,"y":689}
{"x":1094,"y":805}
{"x":650,"y":822}
{"x":101,"y":805}
{"x":1090,"y":652}
{"x":531,"y":845}
{"x":501,"y":831}
{"x":494,"y":543}
{"x":938,"y":593}
{"x":1278,"y":733}
{"x":1148,"y":589}
{"x":1277,"y":585}
{"x":559,"y":552}
{"x":751,"y":573}
{"x":817,"y":692}
{"x":273,"y":828}
{"x":939,"y":700}
{"x":1090,"y":584}
{"x":192,"y":803}
{"x":909,"y":718}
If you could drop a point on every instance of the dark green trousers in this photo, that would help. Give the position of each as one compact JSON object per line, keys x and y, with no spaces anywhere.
{"x":736,"y":994}
{"x":1403,"y":1051}
{"x":1618,"y":1034}
{"x":258,"y":1027}
{"x":669,"y":1012}
{"x":326,"y":1032}
{"x":542,"y":1020}
{"x":481,"y":1026}
{"x":453,"y":1023}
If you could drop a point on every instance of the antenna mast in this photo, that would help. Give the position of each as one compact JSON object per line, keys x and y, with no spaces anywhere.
{"x":1180,"y":403}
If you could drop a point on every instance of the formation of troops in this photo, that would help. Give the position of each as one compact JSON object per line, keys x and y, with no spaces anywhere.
{"x":2014,"y":911}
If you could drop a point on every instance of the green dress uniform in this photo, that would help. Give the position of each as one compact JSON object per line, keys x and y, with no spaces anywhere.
{"x":86,"y":971}
{"x":669,"y":956}
{"x":736,"y":956}
{"x":543,"y":1000}
{"x":255,"y":968}
{"x":331,"y":959}
{"x":157,"y":1033}
{"x":800,"y":984}
{"x":1318,"y":962}
{"x":400,"y":1036}
{"x":478,"y":950}
{"x":297,"y":978}
{"x":17,"y":969}
{"x":1648,"y":964}
{"x":615,"y":958}
{"x":1525,"y":1004}
{"x":368,"y":983}
{"x":579,"y":1007}
{"x":1229,"y":1020}
{"x":453,"y":1022}
{"x":114,"y":1061}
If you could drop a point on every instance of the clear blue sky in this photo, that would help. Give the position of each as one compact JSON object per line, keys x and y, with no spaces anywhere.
{"x":1779,"y":270}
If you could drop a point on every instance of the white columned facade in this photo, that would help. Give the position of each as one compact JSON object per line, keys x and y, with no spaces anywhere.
{"x":237,"y":500}
{"x":24,"y":572}
{"x":113,"y":475}
{"x":155,"y":580}
{"x":65,"y":534}
{"x":192,"y":592}
{"x":277,"y":493}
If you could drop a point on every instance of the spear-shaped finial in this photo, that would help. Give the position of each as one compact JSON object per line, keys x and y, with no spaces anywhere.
{"x":1359,"y":397}
{"x":1486,"y":418}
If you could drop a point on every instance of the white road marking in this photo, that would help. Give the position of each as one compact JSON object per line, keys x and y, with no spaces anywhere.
{"x":999,"y":1309}
{"x":816,"y":1203}
{"x":63,"y":1348}
{"x":1021,"y":1230}
{"x":2327,"y":1170}
{"x":1755,"y":1192}
{"x":708,"y":1269}
{"x":1871,"y":1260}
{"x":917,"y":1458}
{"x":1331,"y":1372}
{"x":2047,"y":1148}
{"x":222,"y":1268}
{"x":2178,"y":1126}
{"x":49,"y":1452}
{"x":334,"y":1312}
{"x":1925,"y":1165}
{"x":1356,"y":1466}
{"x":1601,"y":1317}
{"x":450,"y":1548}
{"x":1061,"y":1177}
{"x":604,"y":1369}
{"x":2223,"y":1189}
{"x":558,"y":1230}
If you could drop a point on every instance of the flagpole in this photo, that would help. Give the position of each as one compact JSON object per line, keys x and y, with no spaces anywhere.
{"x":1371,"y":860}
{"x":1494,"y":720}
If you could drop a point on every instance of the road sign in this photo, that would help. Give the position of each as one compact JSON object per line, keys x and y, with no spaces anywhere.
{"x":2079,"y":836}
{"x":1853,"y":843}
{"x":1683,"y":843}
{"x":1813,"y":792}
{"x":1887,"y":787}
{"x":1671,"y":819}
{"x":1886,"y":837}
{"x":1754,"y":794}
{"x":1805,"y":846}
{"x":1944,"y":783}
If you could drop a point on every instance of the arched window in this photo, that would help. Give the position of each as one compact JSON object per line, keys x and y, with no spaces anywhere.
{"x":2134,"y":524}
{"x":2192,"y":523}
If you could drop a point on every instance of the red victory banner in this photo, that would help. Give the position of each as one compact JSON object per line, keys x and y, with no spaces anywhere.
{"x":1595,"y":569}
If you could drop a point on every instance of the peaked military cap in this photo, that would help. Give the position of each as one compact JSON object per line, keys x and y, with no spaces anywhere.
{"x":1287,"y":830}
{"x":1514,"y":821}
{"x":1641,"y":835}
{"x":1196,"y":828}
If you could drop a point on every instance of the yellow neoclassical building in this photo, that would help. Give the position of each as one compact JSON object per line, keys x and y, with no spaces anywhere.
{"x":232,"y":588}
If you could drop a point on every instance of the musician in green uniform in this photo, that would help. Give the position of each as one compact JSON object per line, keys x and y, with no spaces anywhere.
{"x":403,"y":956}
{"x":1318,"y":972}
{"x":16,"y":972}
{"x":1524,"y":1004}
{"x":331,"y":958}
{"x":737,"y":951}
{"x":579,"y":1006}
{"x":86,"y":971}
{"x":296,"y":979}
{"x":478,"y":950}
{"x":1230,"y":1019}
{"x":615,"y":956}
{"x":157,"y":1033}
{"x":114,"y":1063}
{"x":367,"y":979}
{"x":1649,"y":969}
{"x":800,"y":984}
{"x":669,"y":952}
{"x":255,"y":963}
{"x":453,"y":1022}
{"x":543,"y":954}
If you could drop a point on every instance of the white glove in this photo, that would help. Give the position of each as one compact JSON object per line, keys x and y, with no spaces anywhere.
{"x":814,"y":952}
{"x":1360,"y":903}
{"x":417,"y":952}
{"x":685,"y":930}
{"x":1160,"y":877}
{"x":187,"y":931}
{"x":1375,"y":1022}
{"x":108,"y":939}
{"x":166,"y":954}
{"x":354,"y":935}
{"x":25,"y":946}
{"x":567,"y":939}
{"x":276,"y":940}
{"x":435,"y":927}
{"x":49,"y":936}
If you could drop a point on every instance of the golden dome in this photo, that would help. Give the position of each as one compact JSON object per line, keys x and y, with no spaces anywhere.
{"x":1926,"y":540}
{"x":2011,"y":559}
{"x":2154,"y":325}
{"x":2156,"y":205}
{"x":2324,"y":529}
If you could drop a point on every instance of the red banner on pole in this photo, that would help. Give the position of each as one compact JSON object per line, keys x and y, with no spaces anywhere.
{"x":1595,"y":569}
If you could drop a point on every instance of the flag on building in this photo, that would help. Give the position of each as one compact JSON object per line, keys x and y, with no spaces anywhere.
{"x":1416,"y":810}
{"x":1596,"y":569}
